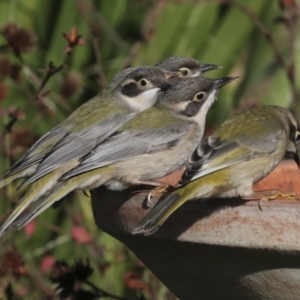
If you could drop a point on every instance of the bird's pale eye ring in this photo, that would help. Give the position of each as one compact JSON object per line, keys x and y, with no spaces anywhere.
{"x":297,"y":136}
{"x":199,"y":97}
{"x":185,"y":72}
{"x":144,"y":82}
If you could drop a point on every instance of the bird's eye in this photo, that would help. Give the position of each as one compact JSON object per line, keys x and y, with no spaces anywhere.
{"x":144,"y":82}
{"x":199,"y":97}
{"x":184,"y":72}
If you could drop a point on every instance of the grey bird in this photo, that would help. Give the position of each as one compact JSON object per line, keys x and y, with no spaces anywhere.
{"x":188,"y":66}
{"x":74,"y":129}
{"x":151,"y":145}
{"x":245,"y":149}
{"x":63,"y":147}
{"x":90,"y":124}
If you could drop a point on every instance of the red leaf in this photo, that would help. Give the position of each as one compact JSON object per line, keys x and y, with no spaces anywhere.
{"x":135,"y":281}
{"x":288,"y":3}
{"x":47,"y":263}
{"x":81,"y":235}
{"x":30,"y":228}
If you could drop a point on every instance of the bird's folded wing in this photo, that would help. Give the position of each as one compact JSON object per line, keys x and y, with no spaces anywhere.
{"x":128,"y":144}
{"x":78,"y":144}
{"x":213,"y":154}
{"x":39,"y":149}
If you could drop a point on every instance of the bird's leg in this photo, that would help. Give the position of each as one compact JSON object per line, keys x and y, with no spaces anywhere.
{"x":273,"y":194}
{"x":258,"y":194}
{"x":163,"y":188}
{"x":160,"y":187}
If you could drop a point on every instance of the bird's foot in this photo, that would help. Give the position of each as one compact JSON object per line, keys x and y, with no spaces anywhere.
{"x":273,"y":195}
{"x":162,"y":188}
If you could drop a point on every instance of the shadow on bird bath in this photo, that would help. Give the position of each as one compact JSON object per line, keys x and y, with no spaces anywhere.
{"x":227,"y":248}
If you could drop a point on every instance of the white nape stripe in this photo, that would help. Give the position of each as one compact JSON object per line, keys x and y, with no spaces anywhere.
{"x":142,"y":101}
{"x":201,"y":116}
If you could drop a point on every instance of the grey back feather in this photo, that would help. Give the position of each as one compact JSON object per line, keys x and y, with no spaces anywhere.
{"x":39,"y":149}
{"x":78,"y":144}
{"x":128,"y":144}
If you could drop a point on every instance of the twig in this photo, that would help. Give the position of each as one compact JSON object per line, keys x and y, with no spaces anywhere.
{"x":48,"y":246}
{"x":10,"y":124}
{"x":73,"y":40}
{"x":52,"y":70}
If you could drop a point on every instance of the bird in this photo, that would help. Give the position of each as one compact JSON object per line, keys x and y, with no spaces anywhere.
{"x":27,"y":165}
{"x":151,"y":145}
{"x":62,"y":148}
{"x":90,"y":124}
{"x":188,"y":66}
{"x":74,"y":129}
{"x":245,"y":149}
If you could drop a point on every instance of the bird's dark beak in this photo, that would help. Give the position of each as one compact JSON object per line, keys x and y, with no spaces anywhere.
{"x":207,"y":67}
{"x":296,"y":158}
{"x":222,"y":81}
{"x":171,"y":74}
{"x":164,"y":86}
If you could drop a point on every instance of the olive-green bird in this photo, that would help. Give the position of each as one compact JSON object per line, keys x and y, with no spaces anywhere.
{"x":62,"y":148}
{"x":151,"y":145}
{"x":188,"y":66}
{"x":108,"y":109}
{"x":42,"y":158}
{"x":245,"y":149}
{"x":90,"y":124}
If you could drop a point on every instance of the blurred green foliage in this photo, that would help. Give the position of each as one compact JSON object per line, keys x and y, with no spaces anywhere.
{"x":118,"y":34}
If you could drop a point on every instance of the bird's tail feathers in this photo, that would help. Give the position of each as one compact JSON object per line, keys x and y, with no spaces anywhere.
{"x":29,"y":197}
{"x":60,"y":190}
{"x":158,"y":215}
{"x":10,"y":178}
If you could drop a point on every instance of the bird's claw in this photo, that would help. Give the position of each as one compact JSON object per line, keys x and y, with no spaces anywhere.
{"x":149,"y":202}
{"x":163,"y":188}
